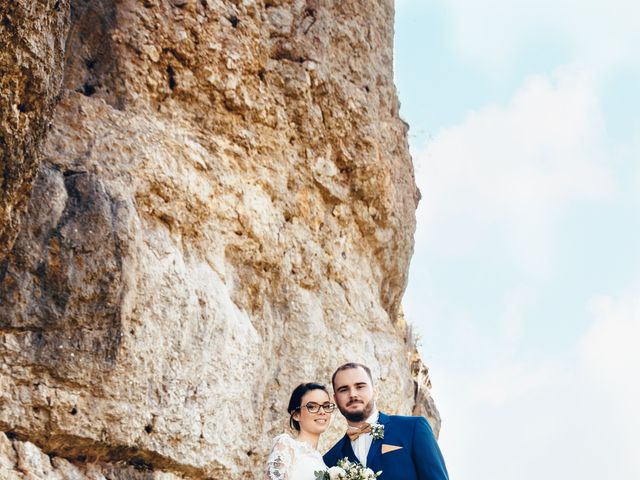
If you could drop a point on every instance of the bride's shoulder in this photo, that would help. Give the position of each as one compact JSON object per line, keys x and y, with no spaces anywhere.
{"x":283,"y":439}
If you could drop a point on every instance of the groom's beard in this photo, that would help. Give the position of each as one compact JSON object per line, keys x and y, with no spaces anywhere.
{"x":359,"y":416}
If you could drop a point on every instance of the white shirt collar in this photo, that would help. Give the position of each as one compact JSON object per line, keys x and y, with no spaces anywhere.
{"x":373,"y":418}
{"x":362,"y":444}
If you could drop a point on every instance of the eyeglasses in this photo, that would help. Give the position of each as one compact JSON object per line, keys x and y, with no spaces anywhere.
{"x":314,"y":407}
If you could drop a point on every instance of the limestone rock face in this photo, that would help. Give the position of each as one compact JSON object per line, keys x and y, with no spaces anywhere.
{"x":23,"y":460}
{"x":224,"y":209}
{"x":32,"y":36}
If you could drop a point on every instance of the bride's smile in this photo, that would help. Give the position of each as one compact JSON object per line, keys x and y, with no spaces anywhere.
{"x":297,"y":458}
{"x":313,"y":415}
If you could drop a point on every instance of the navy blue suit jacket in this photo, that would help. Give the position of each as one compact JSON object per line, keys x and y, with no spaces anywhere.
{"x":419,"y":457}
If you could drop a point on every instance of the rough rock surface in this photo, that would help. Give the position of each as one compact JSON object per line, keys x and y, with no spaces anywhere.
{"x":224,"y":209}
{"x":24,"y":461}
{"x":32,"y":36}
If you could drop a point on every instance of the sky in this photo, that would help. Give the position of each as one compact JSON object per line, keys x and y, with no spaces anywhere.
{"x":524,"y":285}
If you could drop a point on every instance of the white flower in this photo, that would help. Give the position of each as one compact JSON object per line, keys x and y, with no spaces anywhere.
{"x":336,"y":473}
{"x":377,"y":431}
{"x":347,"y":470}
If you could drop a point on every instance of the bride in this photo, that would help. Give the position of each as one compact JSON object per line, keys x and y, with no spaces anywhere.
{"x":297,"y":458}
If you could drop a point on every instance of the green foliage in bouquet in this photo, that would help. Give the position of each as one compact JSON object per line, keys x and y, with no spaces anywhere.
{"x":346,"y":470}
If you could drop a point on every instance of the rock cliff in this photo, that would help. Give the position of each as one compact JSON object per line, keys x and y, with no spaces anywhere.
{"x":32,"y":39}
{"x":218,"y":204}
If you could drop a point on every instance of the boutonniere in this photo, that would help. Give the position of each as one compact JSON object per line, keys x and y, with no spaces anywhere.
{"x":377,"y":431}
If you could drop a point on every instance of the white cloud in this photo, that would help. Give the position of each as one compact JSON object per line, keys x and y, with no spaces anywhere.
{"x":496,"y":420}
{"x":508,"y":383}
{"x":519,"y":396}
{"x":568,"y":416}
{"x":517,"y":166}
{"x":517,"y":300}
{"x":609,"y":351}
{"x":629,"y":154}
{"x":596,"y":33}
{"x":608,"y":361}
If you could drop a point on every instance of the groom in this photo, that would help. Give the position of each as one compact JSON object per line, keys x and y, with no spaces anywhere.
{"x":404,"y":449}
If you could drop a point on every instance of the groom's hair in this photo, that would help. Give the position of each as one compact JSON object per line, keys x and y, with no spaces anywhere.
{"x":348,"y":366}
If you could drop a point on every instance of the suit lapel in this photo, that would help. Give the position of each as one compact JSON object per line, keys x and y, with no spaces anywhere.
{"x":347,"y":450}
{"x":376,"y":446}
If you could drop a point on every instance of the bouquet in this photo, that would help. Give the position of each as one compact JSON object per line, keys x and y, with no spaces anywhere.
{"x":347,"y":470}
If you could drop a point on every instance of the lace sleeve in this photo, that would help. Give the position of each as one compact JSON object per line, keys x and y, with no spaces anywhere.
{"x":280,"y":459}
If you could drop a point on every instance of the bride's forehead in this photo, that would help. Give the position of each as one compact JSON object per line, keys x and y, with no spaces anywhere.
{"x":316,"y":395}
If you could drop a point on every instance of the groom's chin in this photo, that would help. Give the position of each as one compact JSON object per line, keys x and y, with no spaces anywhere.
{"x":354,"y":416}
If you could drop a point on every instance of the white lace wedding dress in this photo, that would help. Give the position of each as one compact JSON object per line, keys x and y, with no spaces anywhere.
{"x":293,"y":460}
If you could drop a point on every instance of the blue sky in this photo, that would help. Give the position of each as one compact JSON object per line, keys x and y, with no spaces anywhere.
{"x":525,"y":281}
